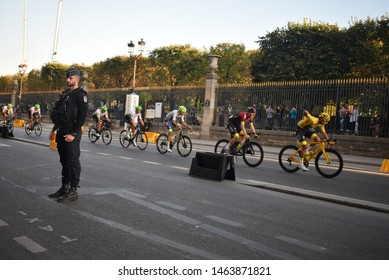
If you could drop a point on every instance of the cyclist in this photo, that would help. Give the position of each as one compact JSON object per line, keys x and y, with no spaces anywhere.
{"x":132,"y":117}
{"x":305,"y":130}
{"x":172,"y":119}
{"x":34,"y":113}
{"x":100,"y":115}
{"x":7,"y":112}
{"x":236,"y":126}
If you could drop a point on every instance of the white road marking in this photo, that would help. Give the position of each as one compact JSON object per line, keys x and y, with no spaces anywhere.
{"x":104,"y":154}
{"x":171,"y":205}
{"x":151,"y":162}
{"x":224,"y":221}
{"x":127,"y":158}
{"x":4,"y":145}
{"x":300,"y":243}
{"x":2,"y":223}
{"x":180,"y":167}
{"x":29,"y":244}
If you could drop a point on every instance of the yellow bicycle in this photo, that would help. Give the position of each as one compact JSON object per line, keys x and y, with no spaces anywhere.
{"x":328,"y":162}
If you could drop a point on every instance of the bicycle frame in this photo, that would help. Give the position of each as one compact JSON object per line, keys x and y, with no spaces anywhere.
{"x":177,"y":135}
{"x":311,"y":155}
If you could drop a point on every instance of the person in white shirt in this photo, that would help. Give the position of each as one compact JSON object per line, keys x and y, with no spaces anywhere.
{"x":34,"y":113}
{"x":132,"y":117}
{"x":174,"y":118}
{"x":99,"y":116}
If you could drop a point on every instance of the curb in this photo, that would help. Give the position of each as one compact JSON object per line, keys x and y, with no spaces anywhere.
{"x":378,"y":207}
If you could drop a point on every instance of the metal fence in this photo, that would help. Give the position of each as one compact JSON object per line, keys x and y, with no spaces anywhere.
{"x":366,"y":97}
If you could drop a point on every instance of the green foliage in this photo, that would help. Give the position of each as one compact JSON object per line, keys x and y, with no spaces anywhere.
{"x":317,"y":51}
{"x":177,"y":65}
{"x":54,"y":75}
{"x":234,"y":65}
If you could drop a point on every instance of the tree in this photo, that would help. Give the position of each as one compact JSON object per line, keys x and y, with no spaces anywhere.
{"x":234,"y":65}
{"x":54,"y":75}
{"x":35,"y":81}
{"x":369,"y":47}
{"x":178,"y":65}
{"x":7,"y":83}
{"x":310,"y":50}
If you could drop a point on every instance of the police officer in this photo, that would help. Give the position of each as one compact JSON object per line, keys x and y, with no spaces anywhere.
{"x":68,"y":116}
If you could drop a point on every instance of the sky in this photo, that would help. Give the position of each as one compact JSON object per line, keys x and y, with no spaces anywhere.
{"x":92,"y":31}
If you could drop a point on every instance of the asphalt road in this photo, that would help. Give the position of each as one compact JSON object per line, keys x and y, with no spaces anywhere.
{"x":143,"y":205}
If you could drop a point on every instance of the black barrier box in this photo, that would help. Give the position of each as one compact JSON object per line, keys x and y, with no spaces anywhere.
{"x":213,"y":166}
{"x":4,"y":131}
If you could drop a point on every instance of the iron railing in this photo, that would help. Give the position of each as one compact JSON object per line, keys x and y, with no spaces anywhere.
{"x":370,"y":96}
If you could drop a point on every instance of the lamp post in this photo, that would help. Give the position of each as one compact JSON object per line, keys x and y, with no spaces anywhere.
{"x":135,"y":57}
{"x":22,"y":71}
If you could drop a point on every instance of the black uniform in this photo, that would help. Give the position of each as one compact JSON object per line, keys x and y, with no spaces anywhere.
{"x":68,"y":116}
{"x":70,"y":122}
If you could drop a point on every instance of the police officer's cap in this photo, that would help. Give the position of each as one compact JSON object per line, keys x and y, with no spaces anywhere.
{"x":73,"y":72}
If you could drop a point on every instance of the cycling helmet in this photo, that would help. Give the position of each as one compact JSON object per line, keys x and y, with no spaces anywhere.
{"x":104,"y":108}
{"x":37,"y":106}
{"x":138,"y":108}
{"x":9,"y":105}
{"x":325,"y":117}
{"x":251,"y":110}
{"x":182,"y":109}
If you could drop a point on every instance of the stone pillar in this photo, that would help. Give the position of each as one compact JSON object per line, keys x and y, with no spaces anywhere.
{"x":211,"y":83}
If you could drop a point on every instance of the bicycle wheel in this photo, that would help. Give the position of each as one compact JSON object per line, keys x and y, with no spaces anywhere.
{"x":106,"y":135}
{"x":333,"y":167}
{"x":27,"y":129}
{"x":123,"y":139}
{"x":289,"y":158}
{"x":141,"y":140}
{"x":38,"y":129}
{"x":161,"y":143}
{"x":92,"y":135}
{"x":253,"y":154}
{"x":184,"y":146}
{"x":220,"y":145}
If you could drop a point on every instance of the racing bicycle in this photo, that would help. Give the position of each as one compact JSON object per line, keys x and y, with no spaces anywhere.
{"x":251,"y":151}
{"x":36,"y":127}
{"x":184,"y":144}
{"x":105,"y":134}
{"x":139,"y":139}
{"x":328,"y":162}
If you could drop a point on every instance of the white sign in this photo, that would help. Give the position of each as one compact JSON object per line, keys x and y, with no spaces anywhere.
{"x":132,"y":100}
{"x":158,"y":110}
{"x":150,"y":113}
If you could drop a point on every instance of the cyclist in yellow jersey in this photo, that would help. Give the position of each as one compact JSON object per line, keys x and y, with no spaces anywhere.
{"x":305,"y":130}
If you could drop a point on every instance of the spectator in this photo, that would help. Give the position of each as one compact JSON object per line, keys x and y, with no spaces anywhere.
{"x":270,"y":116}
{"x":343,"y":112}
{"x":375,"y":125}
{"x":353,"y":125}
{"x":292,"y":118}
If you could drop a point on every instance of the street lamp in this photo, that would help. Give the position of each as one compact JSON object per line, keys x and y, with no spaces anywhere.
{"x":135,"y":57}
{"x":22,"y":71}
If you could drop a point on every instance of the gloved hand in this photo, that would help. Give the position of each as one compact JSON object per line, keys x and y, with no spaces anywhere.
{"x":247,"y":136}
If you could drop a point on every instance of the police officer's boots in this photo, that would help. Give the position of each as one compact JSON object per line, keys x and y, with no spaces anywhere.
{"x":71,"y":195}
{"x":61,"y":192}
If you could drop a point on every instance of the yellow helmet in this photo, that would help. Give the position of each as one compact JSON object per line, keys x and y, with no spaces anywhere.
{"x":182,"y":109}
{"x":325,"y":117}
